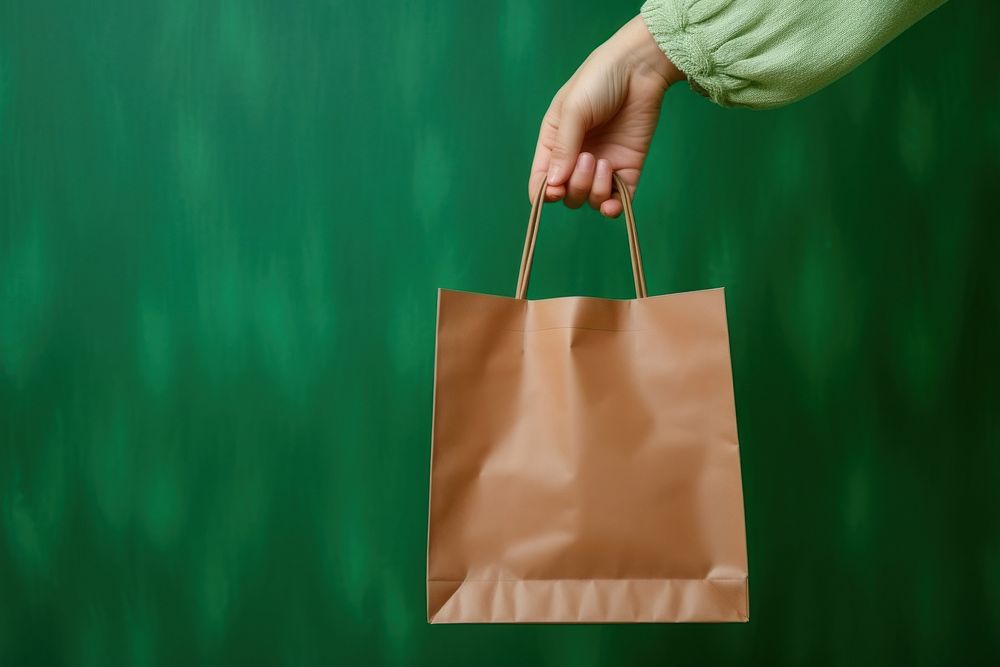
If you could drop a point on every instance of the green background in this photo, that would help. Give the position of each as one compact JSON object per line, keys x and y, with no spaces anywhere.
{"x":222,"y":225}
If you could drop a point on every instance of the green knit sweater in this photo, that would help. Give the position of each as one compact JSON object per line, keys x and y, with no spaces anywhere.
{"x":765,"y":53}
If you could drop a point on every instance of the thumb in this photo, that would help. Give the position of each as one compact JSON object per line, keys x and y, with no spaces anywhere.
{"x":569,"y":138}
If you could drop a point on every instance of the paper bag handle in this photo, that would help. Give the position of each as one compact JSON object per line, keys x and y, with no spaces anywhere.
{"x":529,"y":242}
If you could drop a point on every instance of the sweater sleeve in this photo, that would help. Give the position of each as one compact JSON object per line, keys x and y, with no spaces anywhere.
{"x":766,"y":53}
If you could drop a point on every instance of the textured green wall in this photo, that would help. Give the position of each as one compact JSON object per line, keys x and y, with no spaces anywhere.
{"x":222,"y":225}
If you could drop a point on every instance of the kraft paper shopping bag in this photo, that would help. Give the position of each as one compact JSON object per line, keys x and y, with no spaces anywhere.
{"x":585,"y":464}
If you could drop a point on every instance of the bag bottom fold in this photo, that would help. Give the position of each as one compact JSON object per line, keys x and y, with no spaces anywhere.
{"x":588,"y":601}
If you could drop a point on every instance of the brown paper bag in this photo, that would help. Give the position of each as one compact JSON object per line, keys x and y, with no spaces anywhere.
{"x":585,"y":464}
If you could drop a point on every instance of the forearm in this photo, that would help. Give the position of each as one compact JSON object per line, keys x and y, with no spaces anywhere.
{"x":766,"y":53}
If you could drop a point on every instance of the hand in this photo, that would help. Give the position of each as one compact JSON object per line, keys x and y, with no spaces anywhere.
{"x":602,"y":120}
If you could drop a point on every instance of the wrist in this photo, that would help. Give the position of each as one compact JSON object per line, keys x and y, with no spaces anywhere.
{"x":645,"y":54}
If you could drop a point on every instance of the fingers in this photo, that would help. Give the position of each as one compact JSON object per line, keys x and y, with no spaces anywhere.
{"x":580,"y":183}
{"x":570,"y":174}
{"x":601,"y":189}
{"x":611,"y":208}
{"x":543,"y":151}
{"x":572,"y":125}
{"x":540,"y":165}
{"x":551,"y":193}
{"x":590,"y":181}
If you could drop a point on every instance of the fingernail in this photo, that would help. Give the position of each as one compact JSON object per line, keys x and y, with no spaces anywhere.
{"x":555,"y":171}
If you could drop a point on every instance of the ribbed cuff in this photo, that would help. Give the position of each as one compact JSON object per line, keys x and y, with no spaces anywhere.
{"x":670,"y":26}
